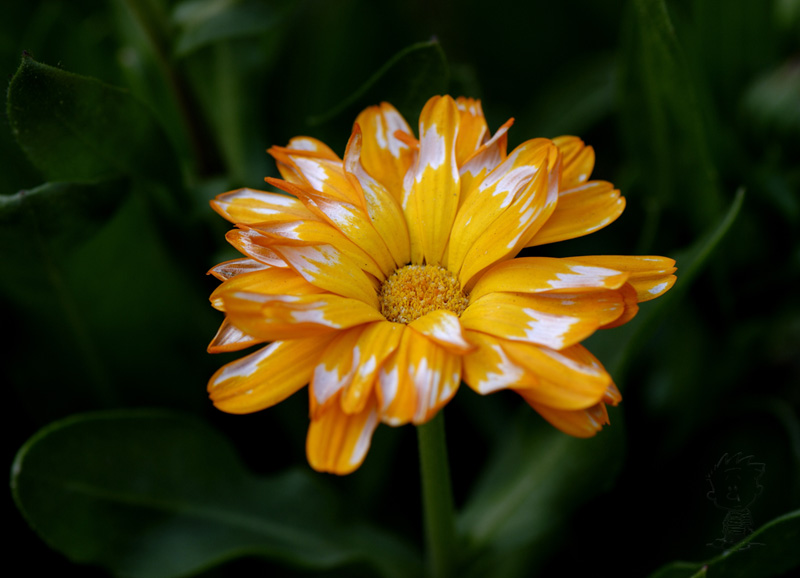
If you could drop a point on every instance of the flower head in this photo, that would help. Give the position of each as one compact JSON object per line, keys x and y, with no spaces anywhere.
{"x":386,"y":278}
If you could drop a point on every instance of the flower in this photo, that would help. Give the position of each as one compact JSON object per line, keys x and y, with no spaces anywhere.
{"x":385,"y":279}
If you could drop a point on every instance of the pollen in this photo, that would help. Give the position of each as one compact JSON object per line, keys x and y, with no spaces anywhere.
{"x":415,"y":290}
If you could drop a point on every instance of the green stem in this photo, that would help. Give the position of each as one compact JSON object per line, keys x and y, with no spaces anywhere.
{"x":437,"y":498}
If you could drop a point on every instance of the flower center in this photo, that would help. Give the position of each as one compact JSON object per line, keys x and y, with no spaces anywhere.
{"x":414,"y":290}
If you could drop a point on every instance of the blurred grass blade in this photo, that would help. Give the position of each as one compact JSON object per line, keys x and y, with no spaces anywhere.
{"x":157,"y":495}
{"x":536,"y":478}
{"x":621,"y":344}
{"x":76,"y":128}
{"x":770,"y":551}
{"x":407,"y":80}
{"x":204,"y":22}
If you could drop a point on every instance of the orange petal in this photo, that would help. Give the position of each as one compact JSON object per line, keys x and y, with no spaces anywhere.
{"x":323,"y":175}
{"x":581,"y":423}
{"x":275,"y":317}
{"x":247,"y":206}
{"x":234,"y":267}
{"x":650,"y":276}
{"x":435,"y":373}
{"x":397,"y":396}
{"x":338,"y":442}
{"x":488,"y":368}
{"x":443,"y":327}
{"x":375,"y":344}
{"x":580,"y":211}
{"x":631,"y":304}
{"x":231,"y":338}
{"x":252,"y":244}
{"x":488,"y":156}
{"x":386,"y":157}
{"x":270,"y":281}
{"x":267,"y":376}
{"x":335,"y":368}
{"x":569,"y":379}
{"x":472,"y":132}
{"x":555,"y":321}
{"x":437,"y":182}
{"x":577,"y":163}
{"x":546,"y":274}
{"x":383,"y":208}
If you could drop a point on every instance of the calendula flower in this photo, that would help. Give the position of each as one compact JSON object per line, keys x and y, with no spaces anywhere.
{"x":386,"y":278}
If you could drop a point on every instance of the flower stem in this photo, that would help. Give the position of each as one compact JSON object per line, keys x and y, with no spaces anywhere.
{"x":437,"y":498}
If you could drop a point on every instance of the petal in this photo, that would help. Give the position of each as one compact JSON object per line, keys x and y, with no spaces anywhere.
{"x":231,"y":338}
{"x":397,"y":396}
{"x":275,"y":317}
{"x":235,"y":267}
{"x":252,"y":244}
{"x":435,"y":373}
{"x":437,"y":182}
{"x":582,"y":423}
{"x":581,"y":211}
{"x":375,"y":344}
{"x":577,"y":163}
{"x":267,"y":376}
{"x":489,"y":368}
{"x":555,"y":321}
{"x":443,"y":327}
{"x":323,"y":175}
{"x":650,"y":276}
{"x":305,"y":233}
{"x":569,"y":379}
{"x":335,"y":368}
{"x":386,"y":157}
{"x":546,"y":274}
{"x":488,"y":156}
{"x":383,"y":208}
{"x":494,"y":195}
{"x":338,"y":442}
{"x":247,"y":206}
{"x":330,"y":269}
{"x":472,"y":132}
{"x":631,"y":304}
{"x":513,"y":227}
{"x":271,"y":281}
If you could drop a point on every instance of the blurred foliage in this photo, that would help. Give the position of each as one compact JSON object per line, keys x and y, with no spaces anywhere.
{"x":124,"y":118}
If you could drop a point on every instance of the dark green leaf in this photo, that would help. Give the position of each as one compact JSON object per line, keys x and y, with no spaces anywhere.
{"x":156,"y":495}
{"x":203,"y":22}
{"x":75,"y":128}
{"x":407,"y":80}
{"x":536,"y":478}
{"x":769,"y":551}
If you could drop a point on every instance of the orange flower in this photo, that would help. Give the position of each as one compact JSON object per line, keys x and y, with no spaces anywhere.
{"x":385,"y":279}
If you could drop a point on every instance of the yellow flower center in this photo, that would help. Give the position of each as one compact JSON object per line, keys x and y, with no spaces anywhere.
{"x":414,"y":290}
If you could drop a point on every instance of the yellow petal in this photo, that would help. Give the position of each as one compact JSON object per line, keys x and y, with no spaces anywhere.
{"x":581,"y":423}
{"x":437,"y":182}
{"x":546,"y":274}
{"x":555,"y":321}
{"x":435,"y":373}
{"x":247,"y":206}
{"x":386,"y":157}
{"x":472,"y":132}
{"x":323,"y":175}
{"x":276,"y":317}
{"x":577,"y":163}
{"x":338,"y":442}
{"x":580,"y":211}
{"x":443,"y":327}
{"x":335,"y":368}
{"x":328,"y":268}
{"x":650,"y":276}
{"x":489,"y":368}
{"x":271,"y":281}
{"x":267,"y":376}
{"x":234,"y":267}
{"x":253,"y":244}
{"x":375,"y":344}
{"x":631,"y":304}
{"x":483,"y":161}
{"x":383,"y":208}
{"x":568,"y":379}
{"x":231,"y":338}
{"x":397,"y":396}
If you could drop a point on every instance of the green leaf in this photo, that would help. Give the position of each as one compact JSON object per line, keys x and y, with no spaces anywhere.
{"x":157,"y":495}
{"x":536,"y":478}
{"x":769,"y":551}
{"x":620,"y":345}
{"x":204,"y":22}
{"x":75,"y":128}
{"x":407,"y":80}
